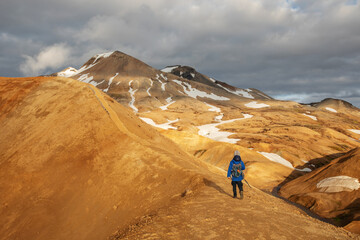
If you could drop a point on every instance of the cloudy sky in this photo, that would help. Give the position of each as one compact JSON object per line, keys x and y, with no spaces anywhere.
{"x":294,"y":50}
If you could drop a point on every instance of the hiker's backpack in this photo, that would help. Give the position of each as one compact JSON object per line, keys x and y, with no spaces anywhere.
{"x":236,"y":170}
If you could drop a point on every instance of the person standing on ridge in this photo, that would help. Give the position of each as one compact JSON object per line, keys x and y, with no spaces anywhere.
{"x":235,"y":173}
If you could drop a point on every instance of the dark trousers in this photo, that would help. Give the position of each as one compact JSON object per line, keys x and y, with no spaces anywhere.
{"x":240,"y":186}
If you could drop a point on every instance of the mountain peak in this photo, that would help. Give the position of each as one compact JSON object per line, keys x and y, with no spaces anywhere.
{"x":113,"y":71}
{"x":106,"y":64}
{"x":334,"y":103}
{"x":188,"y":73}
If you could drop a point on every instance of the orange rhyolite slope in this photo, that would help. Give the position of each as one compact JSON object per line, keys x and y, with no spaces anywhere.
{"x":332,"y":191}
{"x":75,"y":164}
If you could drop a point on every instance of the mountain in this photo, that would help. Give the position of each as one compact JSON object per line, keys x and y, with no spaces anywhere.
{"x":185,"y":104}
{"x":191,"y":74}
{"x":331,"y":191}
{"x":75,"y":164}
{"x":209,"y":119}
{"x":116,"y":72}
{"x":334,"y":105}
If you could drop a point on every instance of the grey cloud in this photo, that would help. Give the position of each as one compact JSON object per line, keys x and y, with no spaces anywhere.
{"x":279,"y":47}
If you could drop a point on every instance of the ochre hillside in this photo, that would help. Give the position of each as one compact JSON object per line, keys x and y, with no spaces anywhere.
{"x":77,"y":165}
{"x":209,"y":119}
{"x":332,"y":191}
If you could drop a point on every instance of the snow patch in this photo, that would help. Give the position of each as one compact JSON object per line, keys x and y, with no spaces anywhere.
{"x":132,"y":94}
{"x":110,"y":81}
{"x":354,"y":131}
{"x":213,"y":108}
{"x":69,"y":72}
{"x":213,"y":80}
{"x":254,"y":104}
{"x":169,"y":69}
{"x":239,"y":92}
{"x":162,"y":84}
{"x":192,"y":74}
{"x":165,"y":126}
{"x":310,"y":116}
{"x":148,"y":90}
{"x":96,"y":83}
{"x":194,"y":93}
{"x":338,"y":184}
{"x":276,"y":158}
{"x":211,"y":131}
{"x":169,"y":101}
{"x":165,"y":78}
{"x":331,"y":109}
{"x":84,"y":68}
{"x":102,"y":55}
{"x":219,"y":117}
{"x":303,"y":170}
{"x":85,"y":78}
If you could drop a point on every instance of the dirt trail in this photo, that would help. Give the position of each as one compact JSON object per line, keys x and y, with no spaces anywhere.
{"x":111,"y":112}
{"x":212,"y":213}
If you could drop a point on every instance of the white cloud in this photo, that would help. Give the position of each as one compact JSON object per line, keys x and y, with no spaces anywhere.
{"x":49,"y":58}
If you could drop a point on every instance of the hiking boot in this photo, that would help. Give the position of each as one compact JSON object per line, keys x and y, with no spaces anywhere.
{"x":241,"y":195}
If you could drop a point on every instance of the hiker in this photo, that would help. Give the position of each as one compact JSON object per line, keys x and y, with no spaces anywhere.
{"x":235,"y":173}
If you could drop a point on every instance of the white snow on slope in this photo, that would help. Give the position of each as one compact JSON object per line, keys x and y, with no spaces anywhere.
{"x":213,"y":80}
{"x":304,"y":169}
{"x":110,"y":81}
{"x":276,"y":158}
{"x":165,"y":78}
{"x":165,"y":126}
{"x":254,"y":104}
{"x":211,"y":131}
{"x":238,"y":92}
{"x":162,"y":84}
{"x":83,"y":68}
{"x":85,"y":78}
{"x":132,"y":94}
{"x":338,"y":184}
{"x":354,"y":131}
{"x":192,"y":74}
{"x":69,"y":72}
{"x":331,"y":109}
{"x":194,"y":93}
{"x":310,"y":116}
{"x":213,"y":108}
{"x":219,"y":117}
{"x":169,"y":69}
{"x":169,"y":101}
{"x":151,"y":84}
{"x":102,"y":55}
{"x":95,"y":83}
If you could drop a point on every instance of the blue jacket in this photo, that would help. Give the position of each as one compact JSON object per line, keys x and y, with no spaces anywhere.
{"x":236,"y":160}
